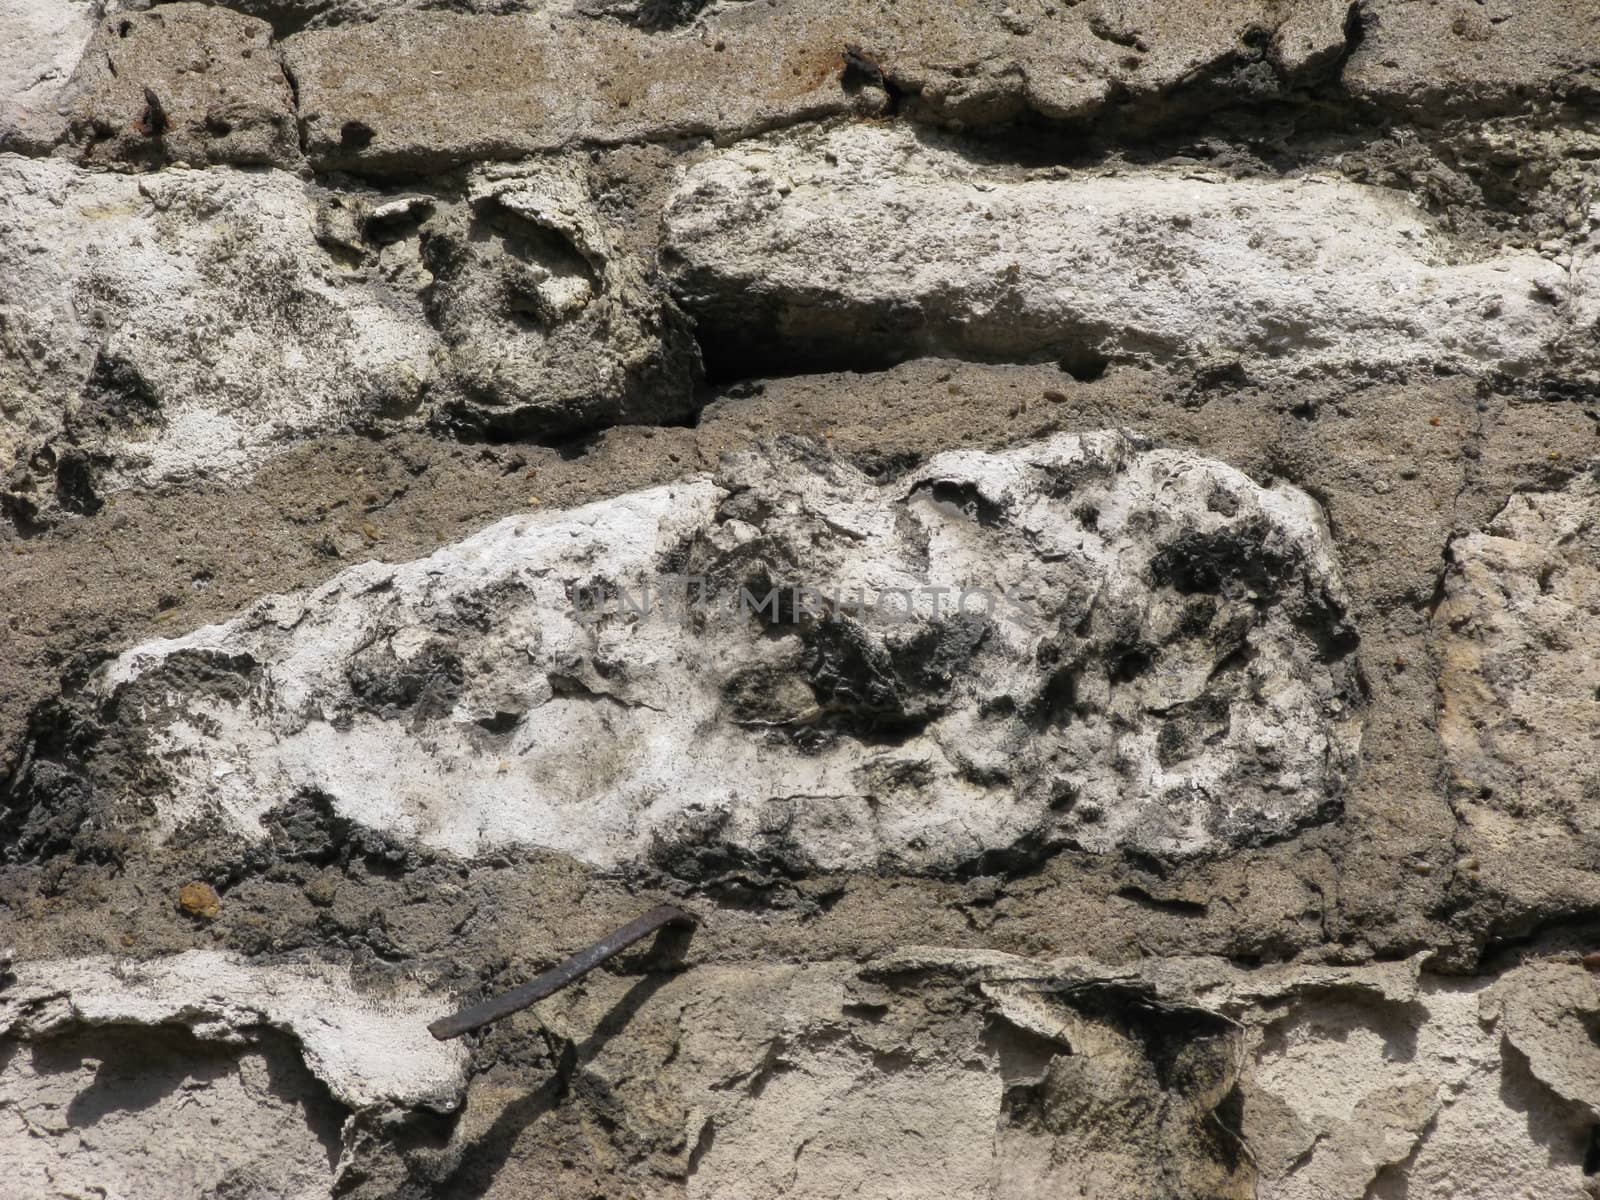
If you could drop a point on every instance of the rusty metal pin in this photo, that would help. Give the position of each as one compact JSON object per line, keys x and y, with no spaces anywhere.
{"x":556,"y":978}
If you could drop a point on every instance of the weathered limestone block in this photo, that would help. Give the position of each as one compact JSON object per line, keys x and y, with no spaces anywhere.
{"x":370,"y":1049}
{"x":956,"y":1073}
{"x":156,"y":327}
{"x":798,"y":1096}
{"x":1586,"y":281}
{"x":1425,"y":1093}
{"x":549,"y":326}
{"x":757,"y":1080}
{"x":862,"y":245}
{"x":980,"y":1074}
{"x":150,"y":1112}
{"x":190,"y":83}
{"x":40,"y":44}
{"x":1548,"y":1011}
{"x":1154,"y":655}
{"x":1033,"y":696}
{"x":1103,"y":1051}
{"x":418,"y":91}
{"x":1436,"y":60}
{"x":1370,"y":1081}
{"x":179,"y":1076}
{"x":1519,"y":690}
{"x":822,"y":1080}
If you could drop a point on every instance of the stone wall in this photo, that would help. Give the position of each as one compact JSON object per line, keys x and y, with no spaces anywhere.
{"x":1066,"y":534}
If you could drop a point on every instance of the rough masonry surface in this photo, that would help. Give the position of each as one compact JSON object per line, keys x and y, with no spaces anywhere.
{"x":1085,"y":640}
{"x":1063,"y":532}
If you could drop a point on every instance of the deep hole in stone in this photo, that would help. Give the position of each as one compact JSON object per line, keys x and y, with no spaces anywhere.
{"x":75,"y":483}
{"x":356,"y":135}
{"x":746,"y":342}
{"x":1085,"y":366}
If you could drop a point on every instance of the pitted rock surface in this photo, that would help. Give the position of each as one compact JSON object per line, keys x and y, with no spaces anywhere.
{"x":1084,"y":641}
{"x":183,"y":83}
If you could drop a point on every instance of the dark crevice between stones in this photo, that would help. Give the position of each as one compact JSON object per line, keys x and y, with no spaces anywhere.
{"x":884,"y":466}
{"x":47,"y":801}
{"x":1024,"y":858}
{"x":1085,"y":364}
{"x":651,"y":15}
{"x":1177,"y":908}
{"x":963,"y":498}
{"x":421,"y":687}
{"x":880,"y":691}
{"x":77,"y":478}
{"x":153,"y":121}
{"x":302,"y":134}
{"x":1222,"y":561}
{"x":1164,"y":1030}
{"x":744,"y":342}
{"x":116,"y":398}
{"x":1503,"y":940}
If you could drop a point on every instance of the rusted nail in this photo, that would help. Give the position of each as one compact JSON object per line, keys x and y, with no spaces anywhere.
{"x":556,"y":978}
